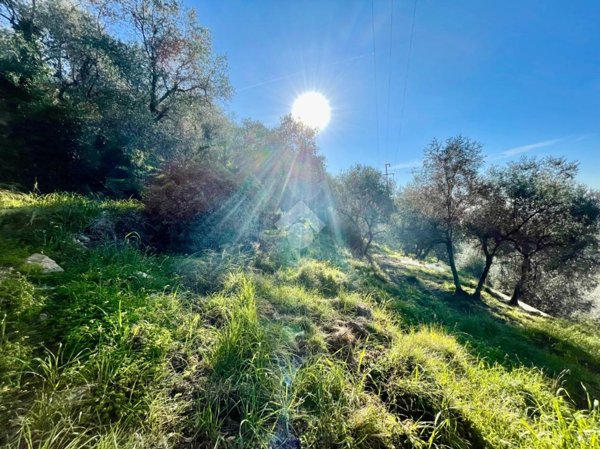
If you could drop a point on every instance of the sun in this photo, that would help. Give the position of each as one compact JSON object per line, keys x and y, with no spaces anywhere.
{"x":312,"y":110}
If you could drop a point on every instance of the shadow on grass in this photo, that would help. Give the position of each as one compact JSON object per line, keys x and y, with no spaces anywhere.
{"x":490,"y":329}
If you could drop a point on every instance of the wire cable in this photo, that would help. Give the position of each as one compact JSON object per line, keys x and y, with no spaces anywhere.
{"x":375,"y":73}
{"x":408,"y":58}
{"x":389,"y":95}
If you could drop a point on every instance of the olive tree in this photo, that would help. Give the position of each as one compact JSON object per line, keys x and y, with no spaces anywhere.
{"x":364,"y":199}
{"x":100,"y":93}
{"x":487,"y":223}
{"x":550,"y":221}
{"x":177,"y":55}
{"x":442,"y":192}
{"x":417,"y":234}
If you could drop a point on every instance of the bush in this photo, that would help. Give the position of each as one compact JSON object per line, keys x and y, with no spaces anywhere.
{"x":352,"y":237}
{"x":239,"y":219}
{"x":181,"y":192}
{"x":16,"y":295}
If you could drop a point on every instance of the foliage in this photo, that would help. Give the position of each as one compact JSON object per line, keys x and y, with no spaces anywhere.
{"x":61,"y":222}
{"x":177,"y":59}
{"x":547,"y":219}
{"x":196,"y":203}
{"x":181,"y":192}
{"x":442,"y":191}
{"x":321,"y":276}
{"x":85,"y":107}
{"x":285,"y":163}
{"x":414,"y":232}
{"x":363,"y":198}
{"x":208,"y":271}
{"x":248,"y":341}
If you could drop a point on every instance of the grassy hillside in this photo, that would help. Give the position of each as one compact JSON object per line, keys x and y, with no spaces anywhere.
{"x":130,"y":349}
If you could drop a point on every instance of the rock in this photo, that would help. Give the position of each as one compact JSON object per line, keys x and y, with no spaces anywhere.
{"x":44,"y":262}
{"x":82,"y":240}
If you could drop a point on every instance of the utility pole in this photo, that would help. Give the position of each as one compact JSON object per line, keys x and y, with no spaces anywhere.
{"x":387,"y":175}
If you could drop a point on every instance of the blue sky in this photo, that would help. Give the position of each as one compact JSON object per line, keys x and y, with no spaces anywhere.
{"x":522,"y":77}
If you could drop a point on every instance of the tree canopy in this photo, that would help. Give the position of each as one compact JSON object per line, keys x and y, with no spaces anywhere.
{"x":442,"y":191}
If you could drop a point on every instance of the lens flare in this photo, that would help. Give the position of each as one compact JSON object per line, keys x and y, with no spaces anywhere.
{"x":312,"y":110}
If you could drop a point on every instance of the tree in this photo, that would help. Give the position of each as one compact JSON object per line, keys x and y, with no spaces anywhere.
{"x":284,"y":160}
{"x":443,"y":189}
{"x":65,"y":122}
{"x":303,"y":168}
{"x":418,"y":234}
{"x":487,"y":222}
{"x":177,"y":55}
{"x":549,"y":220}
{"x":21,"y":56}
{"x":274,"y":168}
{"x":364,"y":199}
{"x":87,"y":106}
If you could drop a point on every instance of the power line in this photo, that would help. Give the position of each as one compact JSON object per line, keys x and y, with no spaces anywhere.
{"x":387,"y":137}
{"x":375,"y":72}
{"x":410,"y":45}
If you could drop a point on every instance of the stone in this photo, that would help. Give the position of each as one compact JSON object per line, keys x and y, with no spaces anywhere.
{"x":44,"y":262}
{"x":82,"y":240}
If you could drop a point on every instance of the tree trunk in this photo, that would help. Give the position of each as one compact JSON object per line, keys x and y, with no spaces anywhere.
{"x":489,"y":258}
{"x":521,"y":287}
{"x":367,"y":247}
{"x":450,"y":248}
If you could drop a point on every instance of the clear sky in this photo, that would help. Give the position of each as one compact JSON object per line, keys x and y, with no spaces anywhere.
{"x":520,"y":76}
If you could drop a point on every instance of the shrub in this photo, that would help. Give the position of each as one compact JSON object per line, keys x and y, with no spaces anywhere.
{"x":181,"y":192}
{"x":239,"y":219}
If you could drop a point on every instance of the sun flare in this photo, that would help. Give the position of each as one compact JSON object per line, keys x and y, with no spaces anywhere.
{"x":312,"y":110}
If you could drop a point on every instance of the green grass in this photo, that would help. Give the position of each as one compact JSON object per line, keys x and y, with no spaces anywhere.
{"x":495,"y":332}
{"x":129,"y":349}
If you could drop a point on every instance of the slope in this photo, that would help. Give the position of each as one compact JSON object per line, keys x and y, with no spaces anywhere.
{"x":127,"y":348}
